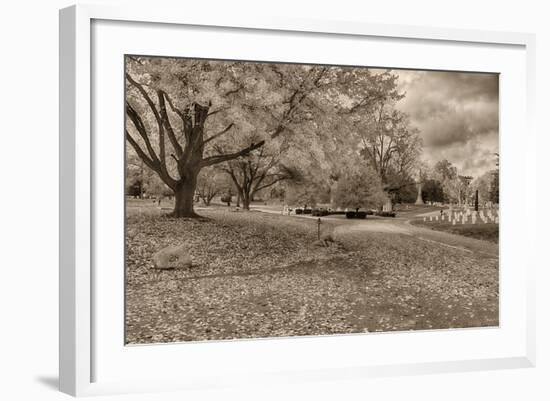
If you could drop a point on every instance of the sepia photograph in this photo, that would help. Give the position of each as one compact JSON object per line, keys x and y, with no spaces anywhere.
{"x":268,"y":199}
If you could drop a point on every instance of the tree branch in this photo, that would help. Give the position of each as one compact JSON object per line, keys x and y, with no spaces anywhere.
{"x":281,"y":178}
{"x":146,"y":96}
{"x":233,"y":91}
{"x":218,"y":134}
{"x":166,"y":120}
{"x":155,"y":166}
{"x":217,"y":111}
{"x":209,"y":161}
{"x":142,"y":155}
{"x":140,"y":127}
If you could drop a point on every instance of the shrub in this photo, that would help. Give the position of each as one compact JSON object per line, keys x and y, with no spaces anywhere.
{"x":307,"y":211}
{"x":299,"y":211}
{"x":350,"y":215}
{"x":385,"y":214}
{"x":357,"y":215}
{"x":320,"y":212}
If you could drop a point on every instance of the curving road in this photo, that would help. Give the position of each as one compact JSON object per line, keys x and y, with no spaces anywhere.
{"x":481,"y":248}
{"x":402,"y":226}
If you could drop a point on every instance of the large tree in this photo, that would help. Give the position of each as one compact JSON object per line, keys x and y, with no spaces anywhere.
{"x":382,"y":134}
{"x":179,"y":112}
{"x":261,"y":169}
{"x":444,"y":170}
{"x":390,"y":145}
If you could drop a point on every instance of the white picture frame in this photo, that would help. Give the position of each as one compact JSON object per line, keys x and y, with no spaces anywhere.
{"x":79,"y":371}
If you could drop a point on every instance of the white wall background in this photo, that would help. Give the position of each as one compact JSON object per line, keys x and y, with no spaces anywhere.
{"x":29,"y":187}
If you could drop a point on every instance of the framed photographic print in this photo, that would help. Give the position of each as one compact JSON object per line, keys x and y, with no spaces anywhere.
{"x":263,"y":200}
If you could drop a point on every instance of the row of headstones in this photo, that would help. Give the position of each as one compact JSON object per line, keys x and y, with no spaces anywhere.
{"x":467,"y":216}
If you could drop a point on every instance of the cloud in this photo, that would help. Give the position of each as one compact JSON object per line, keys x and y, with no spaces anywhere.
{"x":457,"y":115}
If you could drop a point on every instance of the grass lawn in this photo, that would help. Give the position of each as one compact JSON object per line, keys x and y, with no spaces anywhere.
{"x":260,"y":275}
{"x":409,"y":211}
{"x":487,"y":232}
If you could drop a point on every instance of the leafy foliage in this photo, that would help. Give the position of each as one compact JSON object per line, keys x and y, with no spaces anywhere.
{"x":191,"y":110}
{"x":360,"y":188}
{"x":432,"y":191}
{"x":483,"y":185}
{"x":185,"y":115}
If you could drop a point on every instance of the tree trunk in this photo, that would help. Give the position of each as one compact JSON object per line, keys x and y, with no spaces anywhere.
{"x":185,"y":192}
{"x":246,"y":202}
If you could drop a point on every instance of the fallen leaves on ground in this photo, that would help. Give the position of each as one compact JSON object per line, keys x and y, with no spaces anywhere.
{"x":259,"y":275}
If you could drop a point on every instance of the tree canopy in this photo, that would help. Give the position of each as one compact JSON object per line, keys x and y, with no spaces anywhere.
{"x":303,"y":128}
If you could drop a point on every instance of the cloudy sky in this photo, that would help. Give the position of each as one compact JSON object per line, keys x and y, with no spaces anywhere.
{"x":457,"y":115}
